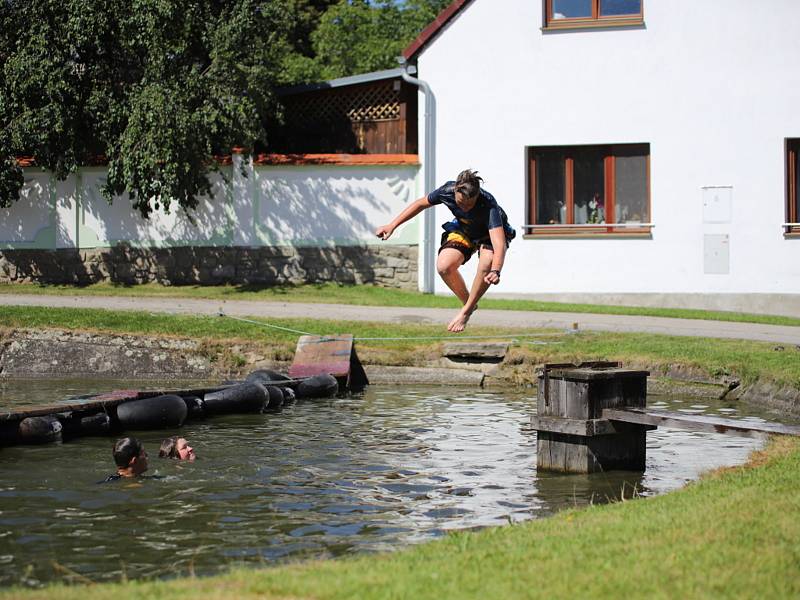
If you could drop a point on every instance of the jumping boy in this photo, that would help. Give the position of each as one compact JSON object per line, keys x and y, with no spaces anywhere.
{"x":479,"y":224}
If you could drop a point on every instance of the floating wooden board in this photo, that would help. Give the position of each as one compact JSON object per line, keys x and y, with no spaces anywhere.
{"x":698,"y":422}
{"x":335,"y":354}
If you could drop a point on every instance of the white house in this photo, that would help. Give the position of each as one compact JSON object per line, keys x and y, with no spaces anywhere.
{"x":645,"y":150}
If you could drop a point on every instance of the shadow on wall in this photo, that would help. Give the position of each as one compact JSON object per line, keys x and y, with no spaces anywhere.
{"x":119,"y":222}
{"x":299,"y":208}
{"x":391,"y":266}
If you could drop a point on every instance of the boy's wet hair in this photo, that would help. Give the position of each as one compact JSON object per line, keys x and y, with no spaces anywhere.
{"x":468,"y":183}
{"x":125,"y":450}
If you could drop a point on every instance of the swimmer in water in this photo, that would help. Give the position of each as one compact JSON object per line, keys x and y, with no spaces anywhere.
{"x":130,"y":458}
{"x":176,"y":447}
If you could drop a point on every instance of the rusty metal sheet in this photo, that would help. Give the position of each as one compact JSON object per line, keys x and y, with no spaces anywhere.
{"x":318,"y":354}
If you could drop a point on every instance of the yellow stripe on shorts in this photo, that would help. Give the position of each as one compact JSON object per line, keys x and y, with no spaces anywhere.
{"x":458,"y":238}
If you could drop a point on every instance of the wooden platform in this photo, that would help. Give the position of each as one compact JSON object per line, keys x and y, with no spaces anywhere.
{"x":697,"y":422}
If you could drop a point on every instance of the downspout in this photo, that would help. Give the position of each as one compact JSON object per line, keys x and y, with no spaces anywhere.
{"x":428,"y":266}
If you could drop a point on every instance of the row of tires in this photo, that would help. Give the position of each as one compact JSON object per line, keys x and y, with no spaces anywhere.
{"x":262,"y":391}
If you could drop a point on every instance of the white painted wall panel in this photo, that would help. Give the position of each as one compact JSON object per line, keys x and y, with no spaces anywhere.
{"x":32,"y":218}
{"x":332,"y":204}
{"x":103,"y":224}
{"x":265,"y":205}
{"x":711,"y":85}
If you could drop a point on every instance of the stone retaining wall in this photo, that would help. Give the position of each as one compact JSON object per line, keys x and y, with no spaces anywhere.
{"x":388,"y":266}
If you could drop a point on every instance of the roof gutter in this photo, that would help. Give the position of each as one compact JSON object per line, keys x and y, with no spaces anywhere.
{"x":427,"y":249}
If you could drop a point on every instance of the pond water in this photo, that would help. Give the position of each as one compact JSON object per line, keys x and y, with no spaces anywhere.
{"x":396,"y":466}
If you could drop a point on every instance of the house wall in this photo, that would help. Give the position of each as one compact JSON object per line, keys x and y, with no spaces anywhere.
{"x":712,"y":86}
{"x":266,"y":224}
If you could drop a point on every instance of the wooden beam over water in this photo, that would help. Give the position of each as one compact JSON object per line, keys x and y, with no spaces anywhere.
{"x":703,"y":423}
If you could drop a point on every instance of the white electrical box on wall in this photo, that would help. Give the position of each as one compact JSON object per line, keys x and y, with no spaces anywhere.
{"x":716,"y":254}
{"x":717,"y":204}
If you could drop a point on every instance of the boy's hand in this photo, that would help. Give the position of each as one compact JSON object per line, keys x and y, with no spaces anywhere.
{"x":492,"y":277}
{"x":384,"y":232}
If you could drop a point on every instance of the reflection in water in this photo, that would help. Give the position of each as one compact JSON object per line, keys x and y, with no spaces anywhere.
{"x":372,"y":473}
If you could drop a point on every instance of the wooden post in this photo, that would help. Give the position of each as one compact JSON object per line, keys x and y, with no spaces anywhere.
{"x":572,"y":435}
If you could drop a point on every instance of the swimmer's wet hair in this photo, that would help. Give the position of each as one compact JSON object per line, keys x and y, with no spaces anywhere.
{"x":169,"y":448}
{"x":468,"y":183}
{"x":126,"y":450}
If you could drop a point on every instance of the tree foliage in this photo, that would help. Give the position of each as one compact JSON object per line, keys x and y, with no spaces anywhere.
{"x":156,"y":87}
{"x":359,"y":36}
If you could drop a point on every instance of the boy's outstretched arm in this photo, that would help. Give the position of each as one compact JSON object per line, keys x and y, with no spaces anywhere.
{"x":498,"y":238}
{"x":409,"y":212}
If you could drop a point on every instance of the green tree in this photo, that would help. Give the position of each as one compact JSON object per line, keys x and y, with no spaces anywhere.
{"x":156,"y":87}
{"x":359,"y":36}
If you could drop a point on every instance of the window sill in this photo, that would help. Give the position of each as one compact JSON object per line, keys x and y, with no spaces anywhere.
{"x":593,"y":24}
{"x":589,"y":236}
{"x":602,"y":231}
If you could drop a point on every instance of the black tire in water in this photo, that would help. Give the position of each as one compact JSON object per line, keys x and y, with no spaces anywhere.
{"x":275,"y":397}
{"x":318,"y":386}
{"x":288,"y":395}
{"x":265,"y":376}
{"x":195,"y":406}
{"x":39,"y":430}
{"x":245,"y":397}
{"x":99,"y":424}
{"x":77,"y":424}
{"x":152,"y":413}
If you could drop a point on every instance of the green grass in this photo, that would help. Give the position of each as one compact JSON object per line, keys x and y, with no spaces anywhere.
{"x":745,"y":359}
{"x":734,"y":534}
{"x":374,"y":296}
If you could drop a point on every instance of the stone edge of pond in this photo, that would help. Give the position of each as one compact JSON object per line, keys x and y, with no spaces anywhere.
{"x":43,"y":353}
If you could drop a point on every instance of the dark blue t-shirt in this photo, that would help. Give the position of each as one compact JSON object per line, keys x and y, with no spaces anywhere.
{"x":475,"y":223}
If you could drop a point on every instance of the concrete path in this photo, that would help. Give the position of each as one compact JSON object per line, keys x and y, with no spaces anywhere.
{"x":512,"y":320}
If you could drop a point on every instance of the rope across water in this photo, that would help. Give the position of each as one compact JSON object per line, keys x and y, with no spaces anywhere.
{"x":415,"y":338}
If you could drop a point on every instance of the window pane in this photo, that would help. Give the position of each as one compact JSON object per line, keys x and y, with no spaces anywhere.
{"x":794,"y":181}
{"x":630,"y":189}
{"x":571,"y":9}
{"x":794,"y":184}
{"x":620,"y":7}
{"x":589,"y":189}
{"x":550,"y":201}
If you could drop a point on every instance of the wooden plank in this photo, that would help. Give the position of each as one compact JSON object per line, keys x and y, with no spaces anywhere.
{"x":585,"y":428}
{"x":316,"y":355}
{"x":577,"y":400}
{"x":596,"y":373}
{"x":698,"y":422}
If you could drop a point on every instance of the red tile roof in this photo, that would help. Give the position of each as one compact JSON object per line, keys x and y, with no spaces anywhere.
{"x":447,"y":15}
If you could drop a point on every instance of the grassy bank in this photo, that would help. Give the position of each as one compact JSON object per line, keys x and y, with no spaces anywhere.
{"x":366,"y":295}
{"x":748,"y":360}
{"x":733,"y":534}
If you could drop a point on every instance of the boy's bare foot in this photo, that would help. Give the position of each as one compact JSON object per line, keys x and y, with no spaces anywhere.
{"x":458,"y":324}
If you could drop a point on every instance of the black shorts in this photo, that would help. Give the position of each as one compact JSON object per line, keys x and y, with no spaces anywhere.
{"x":458,"y":241}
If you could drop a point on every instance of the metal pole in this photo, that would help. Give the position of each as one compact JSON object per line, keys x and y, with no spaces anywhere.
{"x":428,"y":224}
